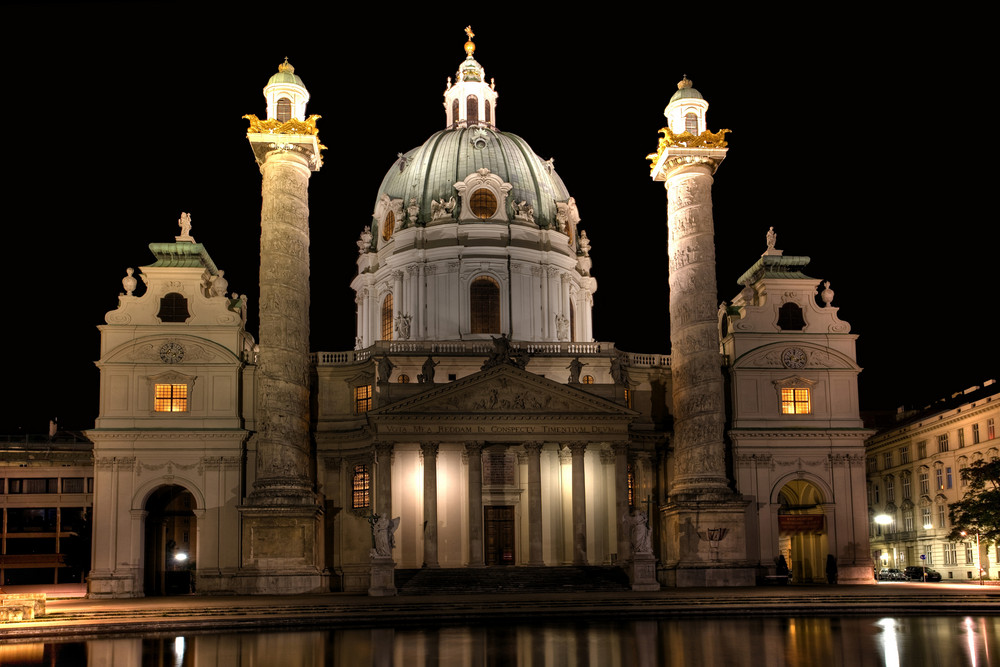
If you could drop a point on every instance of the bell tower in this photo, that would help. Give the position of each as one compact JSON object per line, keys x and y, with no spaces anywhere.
{"x":282,"y":518}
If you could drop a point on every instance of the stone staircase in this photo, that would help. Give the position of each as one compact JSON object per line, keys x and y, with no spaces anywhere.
{"x":509,"y":579}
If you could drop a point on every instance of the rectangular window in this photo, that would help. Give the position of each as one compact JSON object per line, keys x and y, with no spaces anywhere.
{"x":943,"y":443}
{"x":361,"y":487}
{"x":929,"y":554}
{"x":72,"y":485}
{"x":890,"y":490}
{"x":947,"y":478}
{"x":990,"y":431}
{"x":970,"y":557}
{"x":170,"y":398}
{"x":907,"y":520}
{"x":975,"y":434}
{"x":795,"y":401}
{"x":925,"y":515}
{"x":939,"y":478}
{"x":872,"y":464}
{"x":362,"y":399}
{"x":961,"y":437}
{"x":965,"y":482}
{"x":875,"y":487}
{"x":630,"y":475}
{"x":950,"y":557}
{"x":33,"y":485}
{"x":906,"y":487}
{"x":942,"y":516}
{"x":922,"y":449}
{"x":904,"y":454}
{"x":628,"y":398}
{"x":925,"y":484}
{"x":887,"y":460}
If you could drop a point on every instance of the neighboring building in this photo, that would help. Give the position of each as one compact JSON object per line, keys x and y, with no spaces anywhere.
{"x":47,"y":485}
{"x":914,"y":473}
{"x":476,"y":406}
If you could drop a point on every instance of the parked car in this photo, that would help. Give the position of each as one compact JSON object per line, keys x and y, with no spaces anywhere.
{"x":890,"y":574}
{"x":916,"y":573}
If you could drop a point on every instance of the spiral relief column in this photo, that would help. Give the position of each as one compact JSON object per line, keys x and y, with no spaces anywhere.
{"x":703,"y":521}
{"x":282,"y":519}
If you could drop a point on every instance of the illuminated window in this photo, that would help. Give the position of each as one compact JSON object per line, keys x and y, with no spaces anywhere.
{"x":173,"y":308}
{"x":484,"y":305}
{"x":790,"y":318}
{"x":990,"y":431}
{"x":950,"y":557}
{"x":970,"y":557}
{"x":170,"y":398}
{"x":388,"y":224}
{"x":362,"y":399}
{"x":472,"y":109}
{"x":630,"y":472}
{"x":795,"y":401}
{"x":943,"y":443}
{"x":691,"y":123}
{"x":483,"y":203}
{"x":284,"y":109}
{"x":387,"y":317}
{"x":925,"y":513}
{"x":361,"y":488}
{"x":628,"y":398}
{"x":587,"y":379}
{"x":939,"y":478}
{"x":403,"y":378}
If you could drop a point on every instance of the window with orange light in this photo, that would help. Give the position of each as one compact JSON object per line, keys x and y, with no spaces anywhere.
{"x":795,"y":401}
{"x":361,"y":487}
{"x":170,"y":398}
{"x":362,"y":399}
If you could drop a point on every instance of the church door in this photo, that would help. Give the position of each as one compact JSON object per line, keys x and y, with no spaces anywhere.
{"x":499,"y":534}
{"x":170,"y":541}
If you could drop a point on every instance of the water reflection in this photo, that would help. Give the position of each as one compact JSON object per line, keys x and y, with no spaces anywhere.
{"x":717,"y":641}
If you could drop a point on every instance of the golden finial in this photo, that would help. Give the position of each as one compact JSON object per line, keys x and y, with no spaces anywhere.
{"x":470,"y":46}
{"x":286,"y":67}
{"x":684,"y":83}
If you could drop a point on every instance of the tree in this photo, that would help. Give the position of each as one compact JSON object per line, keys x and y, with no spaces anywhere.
{"x":979,"y":510}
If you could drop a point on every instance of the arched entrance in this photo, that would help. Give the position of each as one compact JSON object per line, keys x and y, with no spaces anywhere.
{"x":802,"y":538}
{"x":171,"y":541}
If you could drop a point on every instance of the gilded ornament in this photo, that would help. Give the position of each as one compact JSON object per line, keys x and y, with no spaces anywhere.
{"x":706,"y":139}
{"x":275,"y":126}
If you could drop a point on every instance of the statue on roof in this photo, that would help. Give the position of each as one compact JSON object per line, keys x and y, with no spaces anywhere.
{"x":185,"y":224}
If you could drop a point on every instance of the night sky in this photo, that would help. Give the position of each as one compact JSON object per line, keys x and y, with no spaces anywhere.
{"x":865,"y":146}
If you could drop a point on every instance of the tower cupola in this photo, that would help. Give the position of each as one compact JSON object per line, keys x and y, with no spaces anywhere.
{"x":468,"y":100}
{"x":286,"y":95}
{"x":686,"y":110}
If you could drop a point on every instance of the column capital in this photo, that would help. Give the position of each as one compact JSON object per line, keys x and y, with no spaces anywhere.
{"x":532,"y":448}
{"x":577,"y":447}
{"x":620,"y":447}
{"x":474,"y":447}
{"x":429,"y":449}
{"x":383,"y":448}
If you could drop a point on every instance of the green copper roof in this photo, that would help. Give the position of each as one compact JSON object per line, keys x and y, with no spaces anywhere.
{"x":285,"y":77}
{"x":449,"y":156}
{"x":686,"y":94}
{"x":192,"y":255}
{"x":776,"y":266}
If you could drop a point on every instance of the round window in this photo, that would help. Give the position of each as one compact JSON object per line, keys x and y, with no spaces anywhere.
{"x":483,"y":203}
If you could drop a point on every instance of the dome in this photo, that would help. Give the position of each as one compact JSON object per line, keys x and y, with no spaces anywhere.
{"x":285,"y":75}
{"x":686,"y":91}
{"x":430,"y":171}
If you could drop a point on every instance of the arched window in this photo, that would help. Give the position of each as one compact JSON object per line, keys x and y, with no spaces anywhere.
{"x":387,"y":225}
{"x":387,"y":317}
{"x":403,"y":378}
{"x":472,"y":109}
{"x":284,"y":109}
{"x":587,"y":379}
{"x":484,"y":305}
{"x":173,"y":308}
{"x":691,"y":123}
{"x":488,"y":110}
{"x":790,"y":318}
{"x":361,"y":487}
{"x":483,"y":203}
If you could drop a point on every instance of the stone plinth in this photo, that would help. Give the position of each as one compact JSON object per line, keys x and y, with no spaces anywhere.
{"x":280,"y":551}
{"x":383,"y":577}
{"x":642,"y":572}
{"x":707,"y":543}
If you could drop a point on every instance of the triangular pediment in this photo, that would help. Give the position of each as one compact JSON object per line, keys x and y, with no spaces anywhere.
{"x":503,"y":391}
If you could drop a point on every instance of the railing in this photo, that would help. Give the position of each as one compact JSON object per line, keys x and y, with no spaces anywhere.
{"x":482,"y":348}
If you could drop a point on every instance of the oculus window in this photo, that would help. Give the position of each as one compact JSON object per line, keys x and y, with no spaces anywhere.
{"x":483,"y":203}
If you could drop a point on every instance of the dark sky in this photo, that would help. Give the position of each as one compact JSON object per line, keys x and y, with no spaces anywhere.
{"x":865,"y":144}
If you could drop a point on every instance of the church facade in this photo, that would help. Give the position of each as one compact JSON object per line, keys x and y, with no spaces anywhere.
{"x":476,"y":407}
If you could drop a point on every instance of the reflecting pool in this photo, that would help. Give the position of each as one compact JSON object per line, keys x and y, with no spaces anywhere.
{"x":852,"y":640}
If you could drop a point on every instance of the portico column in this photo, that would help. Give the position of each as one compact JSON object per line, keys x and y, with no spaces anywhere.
{"x":474,"y":452}
{"x":533,"y":450}
{"x":383,"y":479}
{"x":430,"y":452}
{"x":621,"y":499}
{"x":579,"y":504}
